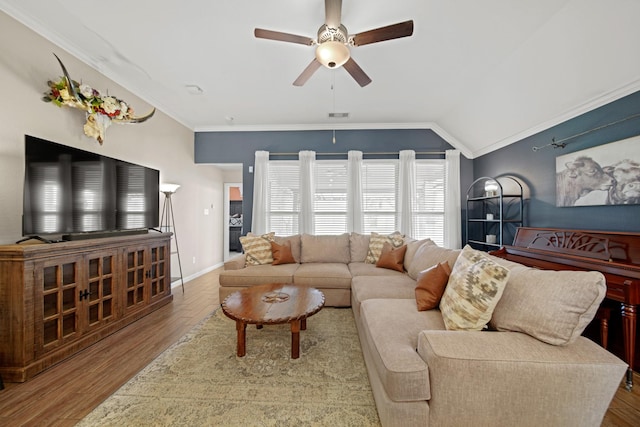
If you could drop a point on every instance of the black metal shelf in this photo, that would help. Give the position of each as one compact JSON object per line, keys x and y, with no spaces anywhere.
{"x":507,"y":209}
{"x":480,"y":242}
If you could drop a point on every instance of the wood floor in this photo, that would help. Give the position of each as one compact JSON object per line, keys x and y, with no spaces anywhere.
{"x":65,"y":393}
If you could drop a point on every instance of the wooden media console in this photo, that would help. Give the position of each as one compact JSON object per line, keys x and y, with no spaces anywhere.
{"x":57,"y":299}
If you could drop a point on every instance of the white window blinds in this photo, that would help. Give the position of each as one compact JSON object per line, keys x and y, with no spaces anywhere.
{"x":283,"y":197}
{"x":379,"y":190}
{"x":330,"y":201}
{"x":379,"y":193}
{"x":428,"y":212}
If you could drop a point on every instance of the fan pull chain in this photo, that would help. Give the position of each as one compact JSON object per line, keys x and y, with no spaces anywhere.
{"x":333,"y":90}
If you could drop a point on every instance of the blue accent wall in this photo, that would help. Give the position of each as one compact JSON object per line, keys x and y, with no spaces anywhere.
{"x":240,"y":147}
{"x":538,"y":169}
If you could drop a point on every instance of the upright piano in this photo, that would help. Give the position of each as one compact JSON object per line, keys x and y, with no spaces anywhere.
{"x":614,"y":254}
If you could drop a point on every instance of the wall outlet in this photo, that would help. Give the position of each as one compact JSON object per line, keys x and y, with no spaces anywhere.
{"x":194,"y":260}
{"x":206,"y":211}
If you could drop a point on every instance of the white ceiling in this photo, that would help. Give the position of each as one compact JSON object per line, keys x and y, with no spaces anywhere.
{"x":481,"y":73}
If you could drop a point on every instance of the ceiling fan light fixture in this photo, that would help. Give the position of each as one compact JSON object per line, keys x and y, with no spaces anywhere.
{"x":332,"y":54}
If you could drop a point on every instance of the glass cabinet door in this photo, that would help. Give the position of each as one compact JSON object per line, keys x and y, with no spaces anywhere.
{"x":58,"y":294}
{"x":101,"y":283}
{"x":136,"y":278}
{"x":159,"y":276}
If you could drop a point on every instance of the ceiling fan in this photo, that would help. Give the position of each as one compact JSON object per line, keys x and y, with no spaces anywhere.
{"x":333,"y":43}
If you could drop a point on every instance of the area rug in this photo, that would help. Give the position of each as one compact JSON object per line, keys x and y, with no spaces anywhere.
{"x":199,"y":381}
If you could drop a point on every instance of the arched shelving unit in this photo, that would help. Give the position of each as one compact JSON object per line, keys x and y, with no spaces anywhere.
{"x":495,"y":209}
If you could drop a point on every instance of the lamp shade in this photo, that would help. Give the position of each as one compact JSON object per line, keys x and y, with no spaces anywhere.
{"x":332,"y":54}
{"x":169,"y":188}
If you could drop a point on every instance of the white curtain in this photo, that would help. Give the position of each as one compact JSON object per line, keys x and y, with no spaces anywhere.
{"x":354,"y":191}
{"x":452,"y":216}
{"x":307,"y":191}
{"x":260,"y":196}
{"x":406,"y":191}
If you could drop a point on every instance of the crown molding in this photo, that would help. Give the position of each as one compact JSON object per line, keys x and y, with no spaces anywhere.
{"x":590,"y":105}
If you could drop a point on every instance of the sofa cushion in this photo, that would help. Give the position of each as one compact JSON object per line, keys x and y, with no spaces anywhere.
{"x":429,"y":255}
{"x":391,"y":328}
{"x":392,"y":258}
{"x":294,"y":242}
{"x":358,"y":246}
{"x":552,"y":306}
{"x":475,"y":287}
{"x":258,"y":275}
{"x":376,"y":241}
{"x":430,"y":286}
{"x":374,"y":287}
{"x":364,"y":269}
{"x":282,"y":253}
{"x":323,"y":275}
{"x":325,"y":248}
{"x":257,"y":249}
{"x":412,"y":247}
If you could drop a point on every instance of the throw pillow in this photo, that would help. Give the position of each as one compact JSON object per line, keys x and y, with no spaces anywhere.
{"x":282,"y":253}
{"x":294,"y":243}
{"x":552,"y":306}
{"x":430,"y":286}
{"x":257,"y":249}
{"x":376,"y":241}
{"x":392,"y":258}
{"x":475,"y":287}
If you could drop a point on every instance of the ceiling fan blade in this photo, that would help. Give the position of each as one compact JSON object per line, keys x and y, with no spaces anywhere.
{"x":332,"y":13}
{"x":390,"y":32}
{"x":282,"y":37}
{"x":307,"y":73}
{"x":356,"y":72}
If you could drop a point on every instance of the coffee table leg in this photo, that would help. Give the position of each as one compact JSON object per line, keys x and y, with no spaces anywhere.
{"x":303,"y":324}
{"x":241,"y":328}
{"x":295,"y":339}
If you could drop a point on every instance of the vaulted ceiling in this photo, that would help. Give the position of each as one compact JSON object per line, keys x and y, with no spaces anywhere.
{"x":481,"y":73}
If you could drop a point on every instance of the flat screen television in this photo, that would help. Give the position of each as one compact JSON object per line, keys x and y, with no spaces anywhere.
{"x":69,"y":191}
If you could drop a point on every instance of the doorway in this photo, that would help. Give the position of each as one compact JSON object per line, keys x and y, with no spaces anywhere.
{"x":233,"y":226}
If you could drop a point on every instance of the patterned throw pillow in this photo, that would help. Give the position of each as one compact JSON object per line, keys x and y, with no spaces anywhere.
{"x":475,"y":287}
{"x":392,"y":258}
{"x":257,"y":249}
{"x":376,"y":241}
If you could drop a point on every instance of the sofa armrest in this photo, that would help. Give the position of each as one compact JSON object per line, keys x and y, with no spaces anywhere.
{"x":509,"y":378}
{"x":235,"y":263}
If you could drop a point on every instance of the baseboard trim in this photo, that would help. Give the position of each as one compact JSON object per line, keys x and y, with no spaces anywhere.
{"x":178,"y":283}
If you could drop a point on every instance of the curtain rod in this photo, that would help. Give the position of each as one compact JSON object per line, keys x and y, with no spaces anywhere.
{"x":379,"y":153}
{"x":563,"y":142}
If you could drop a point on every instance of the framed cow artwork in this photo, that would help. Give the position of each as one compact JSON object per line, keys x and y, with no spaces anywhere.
{"x":605,"y":175}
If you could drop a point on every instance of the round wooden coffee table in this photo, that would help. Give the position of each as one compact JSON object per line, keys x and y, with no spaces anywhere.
{"x":273,"y":304}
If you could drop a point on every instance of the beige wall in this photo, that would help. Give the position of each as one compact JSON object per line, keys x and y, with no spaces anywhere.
{"x":26,"y":63}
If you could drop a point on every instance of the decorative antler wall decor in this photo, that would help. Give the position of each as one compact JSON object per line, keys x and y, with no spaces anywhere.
{"x":101,"y":110}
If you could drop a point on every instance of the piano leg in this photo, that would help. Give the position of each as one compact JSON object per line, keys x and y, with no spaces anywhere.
{"x":629,"y":333}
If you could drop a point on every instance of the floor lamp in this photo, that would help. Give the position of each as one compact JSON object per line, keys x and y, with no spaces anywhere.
{"x":167,"y":221}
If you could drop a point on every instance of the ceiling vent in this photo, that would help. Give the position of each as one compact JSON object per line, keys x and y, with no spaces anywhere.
{"x":338,"y":115}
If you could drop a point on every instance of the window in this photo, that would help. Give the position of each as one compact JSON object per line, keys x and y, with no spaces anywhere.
{"x":379,"y":192}
{"x":283,"y":197}
{"x":379,"y":186}
{"x":428,"y":212}
{"x":330,"y":199}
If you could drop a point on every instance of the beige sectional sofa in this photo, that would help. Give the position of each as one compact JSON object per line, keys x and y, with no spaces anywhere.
{"x":529,"y":367}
